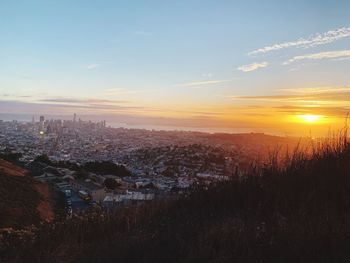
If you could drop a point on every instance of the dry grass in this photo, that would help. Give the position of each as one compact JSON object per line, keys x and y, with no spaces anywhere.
{"x":44,"y":207}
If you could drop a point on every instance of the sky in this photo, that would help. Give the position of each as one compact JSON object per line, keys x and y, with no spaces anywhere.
{"x":267,"y":66}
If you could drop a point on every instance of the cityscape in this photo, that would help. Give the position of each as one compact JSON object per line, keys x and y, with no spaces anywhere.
{"x":158,"y":164}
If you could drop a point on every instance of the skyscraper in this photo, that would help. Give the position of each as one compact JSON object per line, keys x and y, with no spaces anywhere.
{"x":42,"y":120}
{"x":74,"y":120}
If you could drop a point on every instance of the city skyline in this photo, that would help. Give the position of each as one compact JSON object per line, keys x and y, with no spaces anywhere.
{"x":278,"y":68}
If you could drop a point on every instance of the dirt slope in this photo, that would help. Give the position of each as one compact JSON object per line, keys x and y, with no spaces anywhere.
{"x":11,"y":169}
{"x":23,"y":201}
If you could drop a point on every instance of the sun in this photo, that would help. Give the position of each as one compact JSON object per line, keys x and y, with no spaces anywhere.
{"x":310,"y":118}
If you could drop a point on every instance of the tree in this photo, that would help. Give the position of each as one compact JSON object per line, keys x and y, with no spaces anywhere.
{"x":106,"y":167}
{"x":110,"y":183}
{"x":81,"y":174}
{"x":11,"y":157}
{"x":43,"y":159}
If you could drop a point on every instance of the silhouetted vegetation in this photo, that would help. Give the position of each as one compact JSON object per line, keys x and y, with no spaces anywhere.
{"x":110,"y":183}
{"x":81,"y":174}
{"x":43,"y":159}
{"x":11,"y":157}
{"x":106,"y":167}
{"x":59,"y":204}
{"x":291,"y":210}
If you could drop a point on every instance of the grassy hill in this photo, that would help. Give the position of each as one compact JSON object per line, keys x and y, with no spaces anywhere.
{"x":24,"y":204}
{"x":297,"y":210}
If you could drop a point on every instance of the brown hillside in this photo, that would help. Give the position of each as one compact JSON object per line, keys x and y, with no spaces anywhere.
{"x":11,"y":169}
{"x":44,"y":208}
{"x":23,"y":201}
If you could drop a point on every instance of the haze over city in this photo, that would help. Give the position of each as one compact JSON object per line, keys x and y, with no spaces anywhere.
{"x":280,"y":68}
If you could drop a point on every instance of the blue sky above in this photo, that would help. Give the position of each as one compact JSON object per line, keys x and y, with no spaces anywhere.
{"x":168,"y":56}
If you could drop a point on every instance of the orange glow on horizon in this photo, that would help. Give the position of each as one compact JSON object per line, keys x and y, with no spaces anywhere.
{"x":310,"y":118}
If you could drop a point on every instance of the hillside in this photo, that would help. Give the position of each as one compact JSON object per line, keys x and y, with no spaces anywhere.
{"x":23,"y":201}
{"x":11,"y":169}
{"x":298,"y":211}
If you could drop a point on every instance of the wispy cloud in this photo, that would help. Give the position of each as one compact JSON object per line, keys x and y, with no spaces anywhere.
{"x":317,"y":90}
{"x":207,"y":75}
{"x":202,"y":83}
{"x":23,"y":106}
{"x":253,"y":66}
{"x":80,"y":101}
{"x":341,"y":59}
{"x":143,"y":33}
{"x":26,"y":76}
{"x":122,"y":91}
{"x":320,"y":55}
{"x":326,"y":96}
{"x":314,"y":40}
{"x":92,"y":66}
{"x":266,"y":97}
{"x":323,"y":110}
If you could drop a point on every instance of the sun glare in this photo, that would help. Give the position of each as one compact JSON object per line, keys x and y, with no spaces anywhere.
{"x":310,"y":118}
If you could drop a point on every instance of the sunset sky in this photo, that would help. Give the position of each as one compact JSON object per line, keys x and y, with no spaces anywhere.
{"x":282,"y":67}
